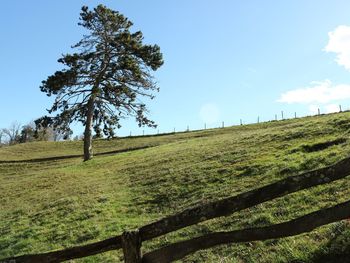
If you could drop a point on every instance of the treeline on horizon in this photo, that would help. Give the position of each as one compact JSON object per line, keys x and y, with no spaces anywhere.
{"x":17,"y":133}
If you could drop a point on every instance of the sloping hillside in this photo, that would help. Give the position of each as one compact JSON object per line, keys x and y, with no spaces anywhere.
{"x":55,"y":203}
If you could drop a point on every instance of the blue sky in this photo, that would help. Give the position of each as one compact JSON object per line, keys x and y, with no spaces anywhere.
{"x":224,"y":60}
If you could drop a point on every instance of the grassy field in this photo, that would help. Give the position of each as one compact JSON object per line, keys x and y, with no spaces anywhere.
{"x":58,"y":203}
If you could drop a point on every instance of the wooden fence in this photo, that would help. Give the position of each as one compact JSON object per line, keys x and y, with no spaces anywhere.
{"x":221,"y":124}
{"x":131,"y":241}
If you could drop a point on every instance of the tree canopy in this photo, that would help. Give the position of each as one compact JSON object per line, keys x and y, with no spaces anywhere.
{"x":104,"y":80}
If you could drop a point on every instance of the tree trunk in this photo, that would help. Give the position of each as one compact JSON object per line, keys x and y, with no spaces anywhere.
{"x":88,"y":130}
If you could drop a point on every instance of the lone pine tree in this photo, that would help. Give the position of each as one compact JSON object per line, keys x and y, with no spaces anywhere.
{"x":104,"y":81}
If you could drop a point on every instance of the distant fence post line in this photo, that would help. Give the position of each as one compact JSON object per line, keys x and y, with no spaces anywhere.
{"x":258,"y":120}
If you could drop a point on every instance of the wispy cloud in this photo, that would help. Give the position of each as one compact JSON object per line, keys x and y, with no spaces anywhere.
{"x":317,"y":92}
{"x":209,"y":113}
{"x":324,"y":96}
{"x":339,"y":43}
{"x":313,"y":109}
{"x":330,"y":108}
{"x":252,"y":70}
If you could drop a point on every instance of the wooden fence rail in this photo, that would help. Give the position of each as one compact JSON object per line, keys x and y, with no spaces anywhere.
{"x":291,"y":228}
{"x":202,"y":213}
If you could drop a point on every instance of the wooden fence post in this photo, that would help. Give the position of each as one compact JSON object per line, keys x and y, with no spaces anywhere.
{"x":131,"y":243}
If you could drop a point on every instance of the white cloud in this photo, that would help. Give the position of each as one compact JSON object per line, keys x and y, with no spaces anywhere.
{"x":317,"y":92}
{"x":339,"y":43}
{"x":313,"y":109}
{"x":209,"y":113}
{"x":330,"y":108}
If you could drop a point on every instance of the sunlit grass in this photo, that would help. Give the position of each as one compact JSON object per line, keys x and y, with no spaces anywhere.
{"x":55,"y":204}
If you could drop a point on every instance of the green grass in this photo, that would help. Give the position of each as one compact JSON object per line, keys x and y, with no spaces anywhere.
{"x":61,"y":203}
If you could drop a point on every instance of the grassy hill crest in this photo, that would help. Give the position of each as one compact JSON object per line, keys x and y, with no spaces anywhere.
{"x":63,"y":202}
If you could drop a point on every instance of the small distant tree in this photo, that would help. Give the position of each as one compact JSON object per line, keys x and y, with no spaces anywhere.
{"x":42,"y":133}
{"x":13,"y":132}
{"x":57,"y":135}
{"x":2,"y":135}
{"x":105,"y":79}
{"x":46,"y":131}
{"x":27,"y":133}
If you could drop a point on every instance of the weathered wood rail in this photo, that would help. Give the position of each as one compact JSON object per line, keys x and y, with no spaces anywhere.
{"x":131,"y":242}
